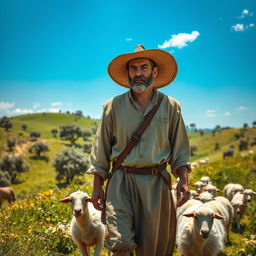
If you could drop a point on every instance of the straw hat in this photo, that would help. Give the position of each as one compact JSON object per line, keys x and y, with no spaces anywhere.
{"x":167,"y":66}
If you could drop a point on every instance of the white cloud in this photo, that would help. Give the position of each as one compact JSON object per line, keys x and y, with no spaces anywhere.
{"x":128,"y":39}
{"x":6,"y":105}
{"x":54,"y":110}
{"x":180,"y":40}
{"x":251,"y":25}
{"x":242,"y":108}
{"x":56,"y":104}
{"x":36,"y":105}
{"x":245,"y":13}
{"x":41,"y":110}
{"x":227,"y":114}
{"x":210,"y":113}
{"x":238,"y":27}
{"x":20,"y":111}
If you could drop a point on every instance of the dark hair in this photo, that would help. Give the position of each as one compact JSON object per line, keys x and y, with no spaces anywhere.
{"x":153,"y":64}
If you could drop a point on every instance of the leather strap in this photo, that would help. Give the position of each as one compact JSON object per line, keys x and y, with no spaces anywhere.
{"x":154,"y":170}
{"x":136,"y":137}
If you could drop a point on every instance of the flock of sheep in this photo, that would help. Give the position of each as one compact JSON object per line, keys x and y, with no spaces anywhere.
{"x":203,"y":222}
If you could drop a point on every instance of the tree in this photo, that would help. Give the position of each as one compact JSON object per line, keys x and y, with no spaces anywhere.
{"x":24,"y":127}
{"x":35,"y":135}
{"x":13,"y":165}
{"x":11,"y":144}
{"x":217,"y":146}
{"x":86,"y":135}
{"x":71,"y":132}
{"x":201,"y":132}
{"x":5,"y":123}
{"x":69,"y":163}
{"x":243,"y":145}
{"x":5,"y":179}
{"x":78,"y":114}
{"x":38,"y":148}
{"x":193,"y":126}
{"x":254,"y":124}
{"x":54,"y":132}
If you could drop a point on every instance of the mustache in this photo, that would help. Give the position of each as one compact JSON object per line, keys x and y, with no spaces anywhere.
{"x":138,"y":78}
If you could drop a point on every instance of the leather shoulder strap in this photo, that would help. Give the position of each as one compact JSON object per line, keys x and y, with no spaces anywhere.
{"x":136,"y":137}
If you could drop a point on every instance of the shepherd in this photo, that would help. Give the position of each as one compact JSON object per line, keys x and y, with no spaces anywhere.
{"x":140,"y":133}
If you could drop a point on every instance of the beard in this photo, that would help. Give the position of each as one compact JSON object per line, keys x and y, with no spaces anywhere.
{"x":140,"y":83}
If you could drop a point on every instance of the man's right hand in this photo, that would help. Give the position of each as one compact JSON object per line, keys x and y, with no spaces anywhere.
{"x":97,"y":198}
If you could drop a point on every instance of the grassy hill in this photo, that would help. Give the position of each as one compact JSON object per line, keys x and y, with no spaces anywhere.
{"x":37,"y":224}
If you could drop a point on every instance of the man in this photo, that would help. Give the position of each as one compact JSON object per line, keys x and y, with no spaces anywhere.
{"x":138,"y":214}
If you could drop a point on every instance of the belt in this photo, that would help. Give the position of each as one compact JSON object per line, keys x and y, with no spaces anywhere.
{"x":154,"y":170}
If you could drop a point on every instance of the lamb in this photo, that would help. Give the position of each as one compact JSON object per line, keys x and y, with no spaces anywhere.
{"x":86,"y":228}
{"x":193,"y":194}
{"x":8,"y":194}
{"x":206,"y":180}
{"x":199,"y":232}
{"x":240,"y":203}
{"x":211,"y":189}
{"x":231,"y":189}
{"x":205,"y":197}
{"x":199,"y":186}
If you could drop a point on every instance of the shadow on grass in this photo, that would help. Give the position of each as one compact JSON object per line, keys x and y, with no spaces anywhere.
{"x":42,"y":158}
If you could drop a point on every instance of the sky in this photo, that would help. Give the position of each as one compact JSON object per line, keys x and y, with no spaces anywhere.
{"x":54,"y":55}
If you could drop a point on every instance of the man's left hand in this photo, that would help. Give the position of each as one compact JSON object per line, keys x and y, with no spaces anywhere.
{"x":182,"y":186}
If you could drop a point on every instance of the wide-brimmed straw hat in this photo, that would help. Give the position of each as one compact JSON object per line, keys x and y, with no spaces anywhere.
{"x":167,"y":66}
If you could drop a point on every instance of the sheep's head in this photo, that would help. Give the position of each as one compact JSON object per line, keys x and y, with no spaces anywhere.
{"x":78,"y":202}
{"x":206,"y":180}
{"x":248,"y":193}
{"x":203,"y":220}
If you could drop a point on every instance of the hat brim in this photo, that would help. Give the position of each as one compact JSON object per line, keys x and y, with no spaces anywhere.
{"x":167,"y":67}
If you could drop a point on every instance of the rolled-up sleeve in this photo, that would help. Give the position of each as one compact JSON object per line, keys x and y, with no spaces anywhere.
{"x":179,"y":142}
{"x":102,"y":146}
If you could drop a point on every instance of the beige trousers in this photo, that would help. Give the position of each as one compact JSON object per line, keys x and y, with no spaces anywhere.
{"x":138,"y":214}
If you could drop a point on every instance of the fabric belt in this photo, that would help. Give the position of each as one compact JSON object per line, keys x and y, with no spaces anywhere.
{"x":154,"y":170}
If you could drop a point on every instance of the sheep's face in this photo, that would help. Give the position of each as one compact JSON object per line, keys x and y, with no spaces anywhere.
{"x":199,"y":186}
{"x":78,"y":202}
{"x":206,"y":180}
{"x":248,"y":193}
{"x":203,"y":221}
{"x":237,"y":208}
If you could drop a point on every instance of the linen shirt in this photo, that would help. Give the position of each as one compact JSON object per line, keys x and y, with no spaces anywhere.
{"x":164,"y":140}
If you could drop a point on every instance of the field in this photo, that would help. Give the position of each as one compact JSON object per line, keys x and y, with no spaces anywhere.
{"x":37,"y":224}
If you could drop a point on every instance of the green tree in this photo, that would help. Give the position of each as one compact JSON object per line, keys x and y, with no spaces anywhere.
{"x":38,"y":148}
{"x":24,"y":127}
{"x":87,"y":148}
{"x":13,"y":165}
{"x":254,"y":124}
{"x":193,"y":149}
{"x":71,"y":132}
{"x":69,"y":163}
{"x":86,"y":135}
{"x":5,"y":123}
{"x":11,"y":144}
{"x":35,"y":135}
{"x":5,"y":179}
{"x":54,"y":132}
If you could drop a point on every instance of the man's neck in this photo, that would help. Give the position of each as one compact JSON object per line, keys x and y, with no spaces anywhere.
{"x":144,"y":98}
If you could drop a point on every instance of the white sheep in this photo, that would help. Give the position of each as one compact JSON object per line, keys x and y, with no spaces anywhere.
{"x":86,"y":228}
{"x":240,"y":204}
{"x":199,"y":186}
{"x":231,"y":189}
{"x":8,"y":194}
{"x":222,"y":206}
{"x":193,"y":194}
{"x":205,"y":197}
{"x":199,"y":232}
{"x":206,"y":180}
{"x":211,"y":189}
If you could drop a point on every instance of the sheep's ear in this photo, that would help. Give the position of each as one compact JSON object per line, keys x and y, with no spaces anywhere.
{"x":197,"y":198}
{"x":219,"y":190}
{"x":66,"y":200}
{"x":254,"y":193}
{"x":205,"y":189}
{"x":241,"y":192}
{"x":192,"y":214}
{"x":88,"y":199}
{"x":218,"y":217}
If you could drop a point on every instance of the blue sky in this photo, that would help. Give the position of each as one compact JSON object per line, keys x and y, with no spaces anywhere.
{"x":54,"y":54}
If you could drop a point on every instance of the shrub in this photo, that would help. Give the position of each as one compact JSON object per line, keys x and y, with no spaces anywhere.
{"x":38,"y":148}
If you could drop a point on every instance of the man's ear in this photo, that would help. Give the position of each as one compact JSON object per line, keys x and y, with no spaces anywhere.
{"x":155,"y":72}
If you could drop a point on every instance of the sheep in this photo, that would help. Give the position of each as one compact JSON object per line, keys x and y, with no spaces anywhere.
{"x":206,"y":180}
{"x":240,"y":203}
{"x":222,"y":206}
{"x":199,"y":232}
{"x":86,"y":228}
{"x":199,"y":186}
{"x":193,"y":194}
{"x":191,"y":204}
{"x":8,"y":194}
{"x":231,"y":189}
{"x":211,"y":189}
{"x":205,"y":197}
{"x":203,"y":161}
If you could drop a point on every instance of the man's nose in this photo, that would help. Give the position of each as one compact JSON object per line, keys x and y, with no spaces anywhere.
{"x":138,"y":72}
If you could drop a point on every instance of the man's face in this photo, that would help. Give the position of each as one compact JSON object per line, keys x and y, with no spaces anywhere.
{"x":141,"y":74}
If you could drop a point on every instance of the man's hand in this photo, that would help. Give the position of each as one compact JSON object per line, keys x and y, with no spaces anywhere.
{"x":98,"y":193}
{"x":182,"y":186}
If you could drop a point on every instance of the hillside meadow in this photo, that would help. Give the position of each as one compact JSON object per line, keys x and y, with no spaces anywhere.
{"x":37,"y":223}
